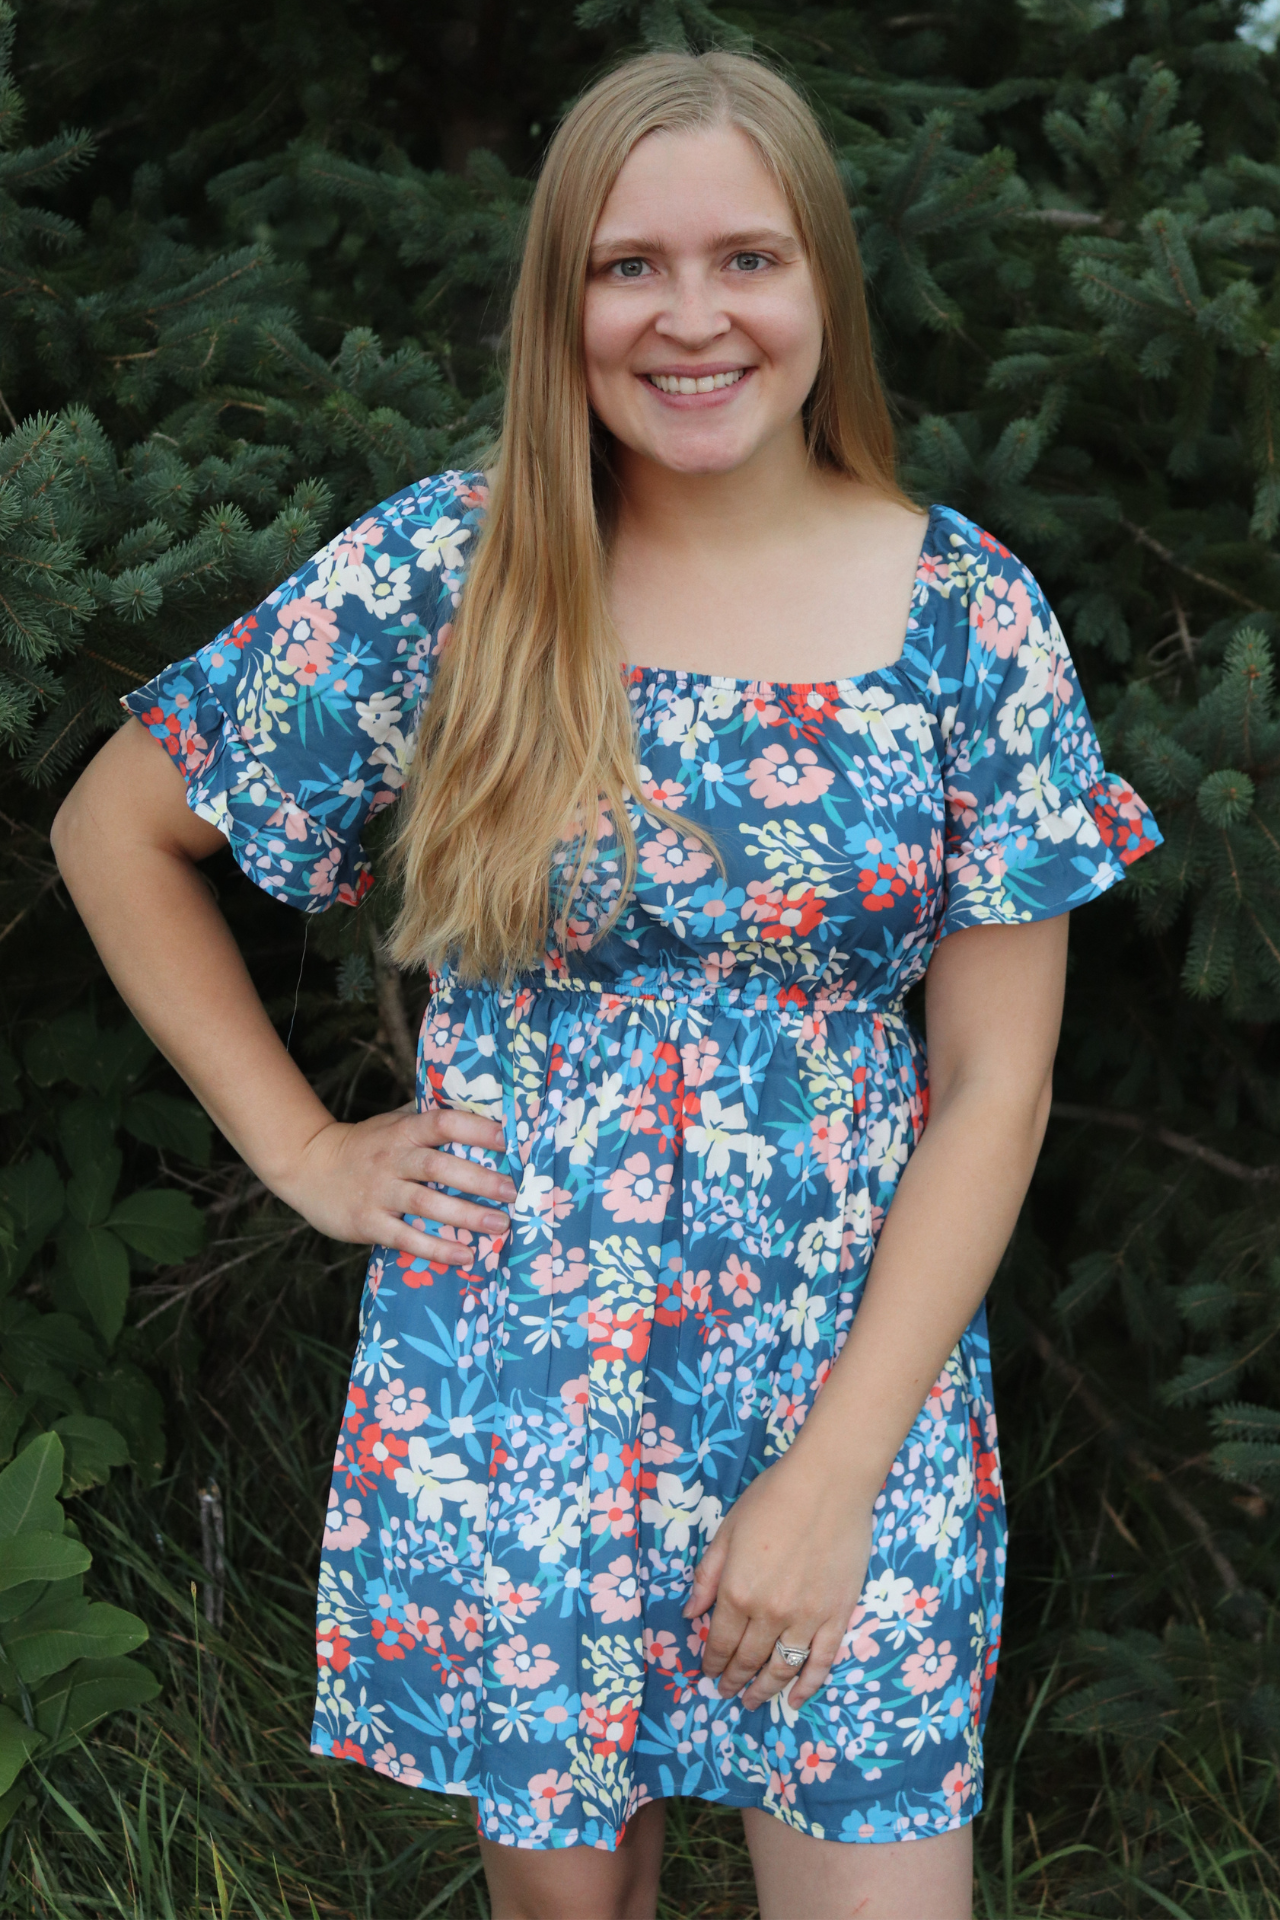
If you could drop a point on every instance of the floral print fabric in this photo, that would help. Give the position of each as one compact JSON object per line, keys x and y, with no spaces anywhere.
{"x":706,"y":1113}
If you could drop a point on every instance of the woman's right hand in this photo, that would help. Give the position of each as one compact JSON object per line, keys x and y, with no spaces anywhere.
{"x":356,"y":1181}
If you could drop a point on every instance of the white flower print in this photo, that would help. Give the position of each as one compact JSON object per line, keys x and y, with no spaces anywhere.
{"x":803,"y":1317}
{"x":431,"y":1479}
{"x":441,"y":545}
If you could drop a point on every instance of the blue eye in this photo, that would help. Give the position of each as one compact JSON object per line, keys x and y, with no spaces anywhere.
{"x":756,"y":260}
{"x":629,"y":269}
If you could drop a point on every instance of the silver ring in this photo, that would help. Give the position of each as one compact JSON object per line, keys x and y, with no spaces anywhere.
{"x":791,"y":1656}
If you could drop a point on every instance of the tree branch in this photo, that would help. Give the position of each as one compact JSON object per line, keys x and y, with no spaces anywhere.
{"x":1179,"y":1142}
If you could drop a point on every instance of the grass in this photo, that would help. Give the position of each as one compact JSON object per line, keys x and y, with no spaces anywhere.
{"x":207,"y":1803}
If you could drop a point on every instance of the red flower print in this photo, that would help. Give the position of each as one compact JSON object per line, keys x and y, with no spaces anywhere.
{"x":392,"y":1637}
{"x":333,"y":1649}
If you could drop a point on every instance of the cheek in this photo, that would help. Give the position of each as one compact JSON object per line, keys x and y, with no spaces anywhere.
{"x":609,"y":332}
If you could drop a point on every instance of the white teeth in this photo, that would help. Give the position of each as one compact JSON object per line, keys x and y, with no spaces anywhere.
{"x":705,"y":383}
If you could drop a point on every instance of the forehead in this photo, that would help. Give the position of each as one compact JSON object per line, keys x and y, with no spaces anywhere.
{"x":709,"y":181}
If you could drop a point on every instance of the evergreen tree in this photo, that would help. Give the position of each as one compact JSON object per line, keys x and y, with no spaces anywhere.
{"x":231,"y":328}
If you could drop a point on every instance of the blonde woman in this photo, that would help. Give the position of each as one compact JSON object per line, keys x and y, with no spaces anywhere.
{"x":669,"y":1464}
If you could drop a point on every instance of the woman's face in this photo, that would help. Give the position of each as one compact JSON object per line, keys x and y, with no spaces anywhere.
{"x":701,"y":327}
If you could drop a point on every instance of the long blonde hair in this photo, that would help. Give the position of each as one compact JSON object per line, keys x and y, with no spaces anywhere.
{"x":528,"y":734}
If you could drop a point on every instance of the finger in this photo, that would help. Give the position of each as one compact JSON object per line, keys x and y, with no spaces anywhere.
{"x":435,"y":1124}
{"x":751,"y":1653}
{"x":778,"y":1673}
{"x":706,"y":1577}
{"x":726,"y":1629}
{"x":429,"y":1203}
{"x":816,"y":1670}
{"x":400,"y":1237}
{"x":451,"y":1170}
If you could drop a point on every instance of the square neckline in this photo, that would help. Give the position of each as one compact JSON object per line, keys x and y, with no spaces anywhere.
{"x":842,"y":680}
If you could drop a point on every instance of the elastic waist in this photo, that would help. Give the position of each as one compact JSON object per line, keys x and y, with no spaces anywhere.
{"x":755,"y":996}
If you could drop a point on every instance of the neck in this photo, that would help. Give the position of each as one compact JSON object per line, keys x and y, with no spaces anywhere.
{"x":754,"y":502}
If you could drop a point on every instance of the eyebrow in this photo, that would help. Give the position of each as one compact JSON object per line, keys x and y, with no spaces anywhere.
{"x":722,"y":243}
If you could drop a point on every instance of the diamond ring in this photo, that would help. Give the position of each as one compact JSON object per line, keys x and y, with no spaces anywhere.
{"x":791,"y":1656}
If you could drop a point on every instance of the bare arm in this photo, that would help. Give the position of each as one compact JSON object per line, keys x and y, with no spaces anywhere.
{"x":791,"y":1556}
{"x":127,"y":845}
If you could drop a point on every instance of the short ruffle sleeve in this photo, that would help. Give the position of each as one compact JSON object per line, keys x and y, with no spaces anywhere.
{"x":1035,"y":825}
{"x":295,"y":725}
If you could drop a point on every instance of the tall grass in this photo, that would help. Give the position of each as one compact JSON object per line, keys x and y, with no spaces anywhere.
{"x":207,"y":1803}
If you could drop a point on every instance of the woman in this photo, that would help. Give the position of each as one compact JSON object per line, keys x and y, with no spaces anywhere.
{"x":596,"y":1538}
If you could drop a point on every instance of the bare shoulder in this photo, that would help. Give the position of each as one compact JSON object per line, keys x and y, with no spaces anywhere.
{"x":889,"y":522}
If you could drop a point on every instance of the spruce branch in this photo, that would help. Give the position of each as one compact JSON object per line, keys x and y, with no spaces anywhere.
{"x":1177,"y":1142}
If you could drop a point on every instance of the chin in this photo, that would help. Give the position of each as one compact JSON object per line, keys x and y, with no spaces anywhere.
{"x":702,"y":457}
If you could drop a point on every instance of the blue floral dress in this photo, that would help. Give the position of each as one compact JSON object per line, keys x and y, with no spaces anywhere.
{"x":706,"y":1114}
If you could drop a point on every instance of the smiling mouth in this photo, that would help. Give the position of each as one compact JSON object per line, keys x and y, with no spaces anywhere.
{"x":704,"y":383}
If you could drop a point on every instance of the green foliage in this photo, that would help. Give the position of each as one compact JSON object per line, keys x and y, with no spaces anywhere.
{"x":63,"y":1664}
{"x":275,"y":292}
{"x":77,"y":1399}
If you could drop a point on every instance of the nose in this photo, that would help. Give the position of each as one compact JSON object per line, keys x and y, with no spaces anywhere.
{"x":693,"y":314}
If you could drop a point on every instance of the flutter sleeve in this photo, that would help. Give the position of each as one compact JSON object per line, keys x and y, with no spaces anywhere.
{"x":1035,"y":825}
{"x":295,"y":725}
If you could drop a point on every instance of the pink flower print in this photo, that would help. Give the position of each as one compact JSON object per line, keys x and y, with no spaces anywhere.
{"x":440,"y":1037}
{"x":660,"y":1650}
{"x":695,"y":1291}
{"x":320,"y":881}
{"x":921,"y":1605}
{"x":576,"y":1395}
{"x":739,"y":1282}
{"x":912,"y":867}
{"x":314,"y":631}
{"x":615,"y":1595}
{"x":550,"y":1793}
{"x":558,"y":1271}
{"x":828,"y":1137}
{"x":781,"y":1791}
{"x":519,"y":1602}
{"x":425,"y":1622}
{"x":700,"y":1060}
{"x":666,"y":793}
{"x":349,"y":546}
{"x":671,"y":857}
{"x":659,"y":1446}
{"x":1000,"y":615}
{"x":467,"y":1625}
{"x":780,"y":781}
{"x":343,"y":1527}
{"x":816,"y":1762}
{"x":519,"y":1665}
{"x":613,"y":1512}
{"x":296,"y":824}
{"x":639,"y":1110}
{"x":399,"y":1409}
{"x":765,"y":900}
{"x":397,"y":1766}
{"x":758,"y":704}
{"x":633,"y":1192}
{"x":699,"y":1631}
{"x":940,"y":1397}
{"x":958,"y":1785}
{"x":860,"y":1641}
{"x":929,"y":1668}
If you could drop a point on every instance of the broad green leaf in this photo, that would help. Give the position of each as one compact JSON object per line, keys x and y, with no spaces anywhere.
{"x":177,"y":1126}
{"x":75,"y":1048}
{"x":50,"y":1637}
{"x":32,"y":1193}
{"x":50,"y":1340}
{"x":18,"y":1742}
{"x":42,"y":1556}
{"x":86,"y":1130}
{"x":124,"y":1396}
{"x":92,"y":1187}
{"x":64,"y":1050}
{"x":14,"y":1408}
{"x":93,"y":1447}
{"x":74,"y":1701}
{"x":161,"y":1223}
{"x":29,"y":1489}
{"x":99,"y":1265}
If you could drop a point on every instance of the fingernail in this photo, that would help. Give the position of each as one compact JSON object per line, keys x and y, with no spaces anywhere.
{"x":496,"y":1222}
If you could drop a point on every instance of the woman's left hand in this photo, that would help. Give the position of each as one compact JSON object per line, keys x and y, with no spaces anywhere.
{"x":789,"y":1562}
